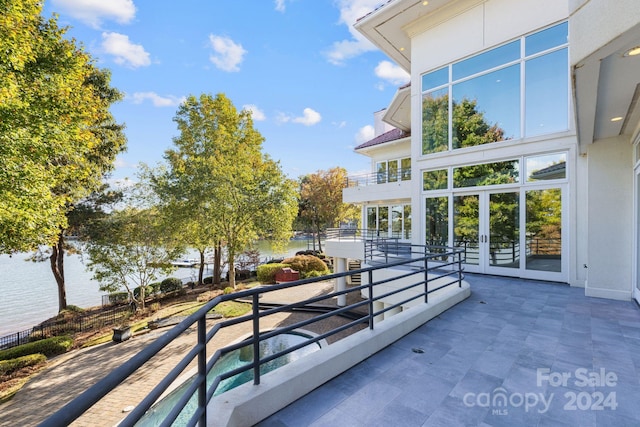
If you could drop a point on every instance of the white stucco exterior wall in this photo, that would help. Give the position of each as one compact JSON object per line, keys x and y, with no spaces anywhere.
{"x":610,"y":216}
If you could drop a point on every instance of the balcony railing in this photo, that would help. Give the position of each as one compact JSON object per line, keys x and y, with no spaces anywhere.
{"x":402,"y":174}
{"x":423,"y":271}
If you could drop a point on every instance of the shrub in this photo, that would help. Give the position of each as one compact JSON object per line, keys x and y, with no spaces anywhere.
{"x":305,"y":264}
{"x":267,"y":272}
{"x":156,"y":287}
{"x":118,"y":297}
{"x":48,"y":346}
{"x":11,"y":365}
{"x":170,"y":284}
{"x":228,"y":290}
{"x":207,"y":280}
{"x":148,"y":291}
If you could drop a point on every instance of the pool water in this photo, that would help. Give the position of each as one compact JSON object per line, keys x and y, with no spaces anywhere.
{"x":229,"y":361}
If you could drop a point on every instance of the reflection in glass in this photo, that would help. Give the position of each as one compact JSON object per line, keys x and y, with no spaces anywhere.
{"x":466,"y":221}
{"x":504,"y":230}
{"x":437,"y":221}
{"x":407,"y":221}
{"x":487,"y":108}
{"x":396,"y":221}
{"x":544,"y":230}
{"x":547,"y":94}
{"x":435,"y":78}
{"x":382,"y":172}
{"x":546,"y":39}
{"x":405,"y":169}
{"x":487,"y":60}
{"x":383,"y":221}
{"x":487,"y":174}
{"x":393,"y":171}
{"x":435,"y":180}
{"x":435,"y":121}
{"x":550,"y":166}
{"x":372,"y":220}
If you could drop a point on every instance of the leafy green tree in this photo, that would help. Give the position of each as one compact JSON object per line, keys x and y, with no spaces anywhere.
{"x":58,"y":139}
{"x":218,"y":186}
{"x":321,"y":200}
{"x":129,"y":248}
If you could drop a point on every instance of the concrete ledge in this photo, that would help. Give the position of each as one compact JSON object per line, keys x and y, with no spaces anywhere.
{"x":248,"y":404}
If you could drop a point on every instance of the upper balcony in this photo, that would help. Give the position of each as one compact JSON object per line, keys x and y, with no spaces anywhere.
{"x":387,"y":185}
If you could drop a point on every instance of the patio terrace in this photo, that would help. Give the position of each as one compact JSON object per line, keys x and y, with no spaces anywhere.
{"x":516,"y":353}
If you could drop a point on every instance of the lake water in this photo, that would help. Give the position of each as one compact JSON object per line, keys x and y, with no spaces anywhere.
{"x":29,"y":294}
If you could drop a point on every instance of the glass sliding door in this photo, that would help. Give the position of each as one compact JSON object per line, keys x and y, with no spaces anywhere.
{"x":544,"y":230}
{"x":437,"y":221}
{"x":466,"y":226}
{"x":504,"y":230}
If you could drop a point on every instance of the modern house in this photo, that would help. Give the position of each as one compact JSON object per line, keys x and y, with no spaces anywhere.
{"x":516,"y":139}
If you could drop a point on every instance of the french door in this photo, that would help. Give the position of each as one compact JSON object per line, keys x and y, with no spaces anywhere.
{"x":512,"y":232}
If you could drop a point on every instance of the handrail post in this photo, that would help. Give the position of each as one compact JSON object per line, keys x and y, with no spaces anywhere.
{"x":202,"y":370}
{"x":426,"y":279}
{"x":256,"y":341}
{"x":370,"y":288}
{"x":459,"y":269}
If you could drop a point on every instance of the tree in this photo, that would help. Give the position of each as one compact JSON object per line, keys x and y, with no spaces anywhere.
{"x":57,"y":136}
{"x":219,"y":186}
{"x":128,"y":248}
{"x":321,"y":200}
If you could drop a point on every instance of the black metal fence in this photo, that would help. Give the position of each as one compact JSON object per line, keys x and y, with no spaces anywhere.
{"x":79,"y":323}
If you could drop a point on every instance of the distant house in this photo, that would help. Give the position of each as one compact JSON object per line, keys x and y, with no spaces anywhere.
{"x":517,"y":138}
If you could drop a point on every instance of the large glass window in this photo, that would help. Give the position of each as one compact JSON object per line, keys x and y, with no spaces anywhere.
{"x":437,"y":221}
{"x":389,"y":221}
{"x":393,"y":170}
{"x":487,"y":174}
{"x":487,"y":108}
{"x":547,"y":167}
{"x":435,"y":180}
{"x":487,"y":94}
{"x":435,"y":121}
{"x":546,"y":79}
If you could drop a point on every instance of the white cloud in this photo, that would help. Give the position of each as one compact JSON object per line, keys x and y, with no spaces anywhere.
{"x":227,"y":54}
{"x":280,"y":5}
{"x":157,"y":100}
{"x":392,"y":73}
{"x":309,"y":117}
{"x":256,"y":113}
{"x":350,"y":11}
{"x":124,"y":51}
{"x":365,"y":134}
{"x":93,"y":12}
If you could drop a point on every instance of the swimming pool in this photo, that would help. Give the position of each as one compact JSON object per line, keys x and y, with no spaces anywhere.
{"x":158,"y":412}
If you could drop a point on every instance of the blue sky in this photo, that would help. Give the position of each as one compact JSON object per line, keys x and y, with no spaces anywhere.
{"x":312,"y":82}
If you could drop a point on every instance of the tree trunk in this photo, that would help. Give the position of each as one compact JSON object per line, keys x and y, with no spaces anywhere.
{"x":201,"y":269}
{"x":217,"y":261}
{"x":232,"y":270}
{"x":56,"y":261}
{"x":318,"y":233}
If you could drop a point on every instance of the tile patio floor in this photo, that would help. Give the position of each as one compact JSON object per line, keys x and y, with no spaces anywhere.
{"x":509,"y":339}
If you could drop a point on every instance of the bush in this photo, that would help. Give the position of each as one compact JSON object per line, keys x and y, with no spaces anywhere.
{"x":12,"y":365}
{"x":118,"y":297}
{"x":156,"y":287}
{"x":48,"y":346}
{"x":207,"y":280}
{"x":267,"y":272}
{"x":170,"y":284}
{"x":306,"y":264}
{"x":148,"y":291}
